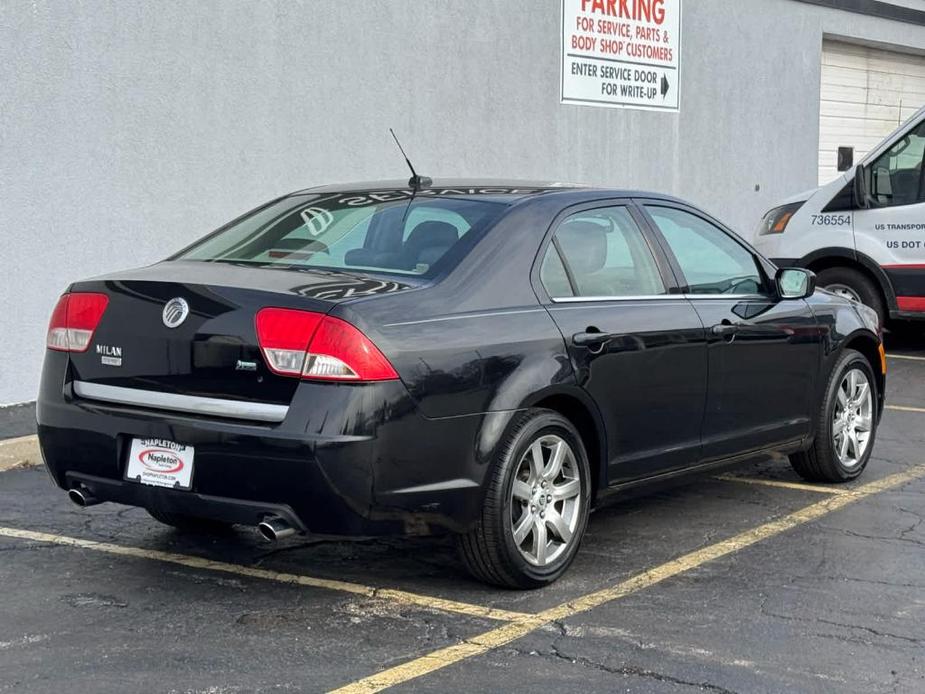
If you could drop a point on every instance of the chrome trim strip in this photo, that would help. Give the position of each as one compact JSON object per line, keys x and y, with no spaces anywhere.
{"x":577,"y":299}
{"x":194,"y":404}
{"x":717,"y":297}
{"x":714,"y":297}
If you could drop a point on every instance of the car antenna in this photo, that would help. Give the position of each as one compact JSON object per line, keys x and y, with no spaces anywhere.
{"x":416,"y":182}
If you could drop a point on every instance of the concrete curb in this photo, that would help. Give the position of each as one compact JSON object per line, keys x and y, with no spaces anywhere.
{"x":17,"y":420}
{"x":19,"y":452}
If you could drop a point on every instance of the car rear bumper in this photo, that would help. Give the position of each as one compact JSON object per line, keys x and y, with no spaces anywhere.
{"x":347,"y":459}
{"x":190,"y":503}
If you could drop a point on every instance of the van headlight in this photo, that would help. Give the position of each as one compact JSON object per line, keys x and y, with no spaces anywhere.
{"x":775,"y":221}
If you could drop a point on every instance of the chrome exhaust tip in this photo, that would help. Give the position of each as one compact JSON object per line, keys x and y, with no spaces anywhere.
{"x":274,"y":528}
{"x":82,"y":497}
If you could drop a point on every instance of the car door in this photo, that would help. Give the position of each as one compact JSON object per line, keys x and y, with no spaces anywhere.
{"x":892,"y":229}
{"x":637,"y":346}
{"x":763,"y":352}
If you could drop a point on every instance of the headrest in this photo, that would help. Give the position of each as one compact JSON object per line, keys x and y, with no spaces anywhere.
{"x":429,"y":234}
{"x":361,"y":256}
{"x":585,"y":246}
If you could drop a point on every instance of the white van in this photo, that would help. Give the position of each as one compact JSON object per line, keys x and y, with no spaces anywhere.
{"x":863,"y":234}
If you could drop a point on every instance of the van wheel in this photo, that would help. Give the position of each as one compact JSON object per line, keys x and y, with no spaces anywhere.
{"x":536,"y":505}
{"x":846,"y":424}
{"x":189,"y":524}
{"x":853,"y":285}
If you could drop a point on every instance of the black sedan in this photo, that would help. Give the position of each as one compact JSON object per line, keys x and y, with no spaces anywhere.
{"x":480,"y":357}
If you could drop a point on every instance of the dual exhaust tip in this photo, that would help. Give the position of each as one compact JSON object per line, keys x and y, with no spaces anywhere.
{"x":82,"y":497}
{"x":271,"y":528}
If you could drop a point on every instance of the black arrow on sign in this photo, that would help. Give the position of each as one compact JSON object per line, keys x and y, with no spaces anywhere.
{"x":664,"y":85}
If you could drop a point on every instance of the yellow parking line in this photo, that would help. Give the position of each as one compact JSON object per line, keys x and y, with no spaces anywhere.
{"x":783,"y":484}
{"x":500,"y":636}
{"x":442,"y":658}
{"x":399,"y":596}
{"x":904,"y":356}
{"x":904,"y":408}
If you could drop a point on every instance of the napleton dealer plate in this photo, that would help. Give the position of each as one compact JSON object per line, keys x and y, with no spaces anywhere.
{"x":160,"y":463}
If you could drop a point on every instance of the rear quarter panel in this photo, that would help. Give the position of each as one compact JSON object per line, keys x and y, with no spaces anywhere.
{"x":843,"y":327}
{"x":478,"y":340}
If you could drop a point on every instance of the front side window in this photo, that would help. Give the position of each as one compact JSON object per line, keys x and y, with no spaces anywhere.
{"x":600,"y":253}
{"x":896,"y":176}
{"x":349,"y":231}
{"x":711,"y":260}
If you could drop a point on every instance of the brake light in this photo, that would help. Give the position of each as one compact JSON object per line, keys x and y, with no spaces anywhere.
{"x":74,"y":321}
{"x":315,"y":346}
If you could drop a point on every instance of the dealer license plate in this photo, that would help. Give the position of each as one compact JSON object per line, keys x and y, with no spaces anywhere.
{"x":160,"y":463}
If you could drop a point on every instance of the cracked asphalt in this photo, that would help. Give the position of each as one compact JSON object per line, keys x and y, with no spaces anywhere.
{"x":835,"y":604}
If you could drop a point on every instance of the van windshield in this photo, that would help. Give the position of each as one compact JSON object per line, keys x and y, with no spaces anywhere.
{"x":380,"y":232}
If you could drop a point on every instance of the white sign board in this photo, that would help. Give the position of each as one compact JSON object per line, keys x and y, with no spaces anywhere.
{"x":622,"y":53}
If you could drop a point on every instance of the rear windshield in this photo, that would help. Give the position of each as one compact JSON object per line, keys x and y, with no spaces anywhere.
{"x":363,"y":231}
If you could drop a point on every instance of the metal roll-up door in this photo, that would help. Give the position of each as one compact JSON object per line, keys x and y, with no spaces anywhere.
{"x":866,"y":93}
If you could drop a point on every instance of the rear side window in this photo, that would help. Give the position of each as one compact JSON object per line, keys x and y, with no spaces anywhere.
{"x":375,"y":232}
{"x":600,"y":253}
{"x":711,"y":260}
{"x":554,"y":277}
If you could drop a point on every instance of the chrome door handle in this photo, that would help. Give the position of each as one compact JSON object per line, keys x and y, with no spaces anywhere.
{"x":590,"y":339}
{"x":725,"y":329}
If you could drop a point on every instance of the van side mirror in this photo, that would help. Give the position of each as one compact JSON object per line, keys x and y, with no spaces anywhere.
{"x":845,"y":158}
{"x":861,"y":194}
{"x":795,"y":283}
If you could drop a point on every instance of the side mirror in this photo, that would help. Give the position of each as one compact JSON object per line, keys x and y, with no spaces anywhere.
{"x":845,"y":158}
{"x":795,"y":283}
{"x":861,"y":194}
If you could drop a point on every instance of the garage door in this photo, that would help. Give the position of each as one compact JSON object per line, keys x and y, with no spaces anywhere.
{"x":866,"y":93}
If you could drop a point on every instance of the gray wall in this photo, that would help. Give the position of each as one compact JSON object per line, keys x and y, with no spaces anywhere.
{"x":127,"y":129}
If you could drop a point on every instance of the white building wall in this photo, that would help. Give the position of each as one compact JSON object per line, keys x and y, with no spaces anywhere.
{"x":127,"y":129}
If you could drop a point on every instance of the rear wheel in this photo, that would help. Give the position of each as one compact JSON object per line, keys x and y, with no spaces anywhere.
{"x":190,"y":524}
{"x":846,"y":424}
{"x":536,"y":505}
{"x":853,"y":285}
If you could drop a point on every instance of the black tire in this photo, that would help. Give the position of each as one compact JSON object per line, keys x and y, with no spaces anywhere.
{"x":859,"y":283}
{"x":820,"y":463}
{"x":189,"y":524}
{"x":489,"y":550}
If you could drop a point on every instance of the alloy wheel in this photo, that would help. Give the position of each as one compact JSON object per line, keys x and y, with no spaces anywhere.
{"x":852,"y":420}
{"x":545,"y":500}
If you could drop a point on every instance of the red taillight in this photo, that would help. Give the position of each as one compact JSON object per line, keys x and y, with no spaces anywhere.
{"x":341,"y":352}
{"x":74,"y":320}
{"x":314,"y":346}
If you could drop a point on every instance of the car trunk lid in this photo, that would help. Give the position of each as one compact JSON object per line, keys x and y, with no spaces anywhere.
{"x":213,"y":351}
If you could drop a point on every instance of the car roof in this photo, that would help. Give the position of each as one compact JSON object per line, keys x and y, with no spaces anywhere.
{"x":508,"y":190}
